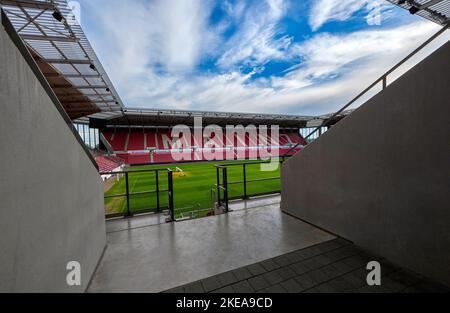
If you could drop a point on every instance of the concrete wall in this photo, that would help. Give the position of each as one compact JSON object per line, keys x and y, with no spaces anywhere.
{"x":51,"y":197}
{"x":381,"y":177}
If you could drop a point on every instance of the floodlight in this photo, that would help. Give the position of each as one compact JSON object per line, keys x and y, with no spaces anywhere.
{"x":414,"y":10}
{"x":57,"y":16}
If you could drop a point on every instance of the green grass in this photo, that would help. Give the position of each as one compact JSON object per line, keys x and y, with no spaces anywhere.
{"x":191,"y":192}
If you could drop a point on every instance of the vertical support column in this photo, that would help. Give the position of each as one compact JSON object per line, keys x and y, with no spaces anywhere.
{"x":245,"y":181}
{"x":157,"y":191}
{"x":384,"y":82}
{"x":218,"y":186}
{"x":225,"y":191}
{"x":84,"y":133}
{"x":128,"y":194}
{"x":171,"y":206}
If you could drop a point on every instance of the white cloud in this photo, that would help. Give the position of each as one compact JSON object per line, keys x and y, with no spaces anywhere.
{"x":358,"y":59}
{"x":326,"y":55}
{"x":172,"y":34}
{"x":255,"y":42}
{"x":130,"y":51}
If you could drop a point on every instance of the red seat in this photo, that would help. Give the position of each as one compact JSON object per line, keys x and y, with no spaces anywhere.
{"x":108,"y":164}
{"x":163,"y":142}
{"x":136,"y":141}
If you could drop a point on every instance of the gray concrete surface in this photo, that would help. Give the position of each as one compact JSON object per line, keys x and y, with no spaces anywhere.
{"x":381,"y":177}
{"x":256,"y":202}
{"x":51,"y":209}
{"x":137,"y":221}
{"x":157,"y":258}
{"x":335,"y":266}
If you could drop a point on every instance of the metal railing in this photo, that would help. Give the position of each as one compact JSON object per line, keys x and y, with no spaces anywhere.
{"x":192,"y":212}
{"x":223,"y":185}
{"x":383,"y":80}
{"x":155,"y":194}
{"x":128,"y":194}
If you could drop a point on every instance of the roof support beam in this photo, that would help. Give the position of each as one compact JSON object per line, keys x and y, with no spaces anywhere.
{"x":429,"y":4}
{"x":417,"y":7}
{"x":79,"y":87}
{"x":85,"y":110}
{"x":67,"y":61}
{"x":85,"y":107}
{"x":56,"y":75}
{"x":63,"y":94}
{"x":47,"y":38}
{"x":99,"y":95}
{"x":88,"y":102}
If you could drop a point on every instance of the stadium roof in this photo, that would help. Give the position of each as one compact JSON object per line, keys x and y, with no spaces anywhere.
{"x":168,"y":118}
{"x":64,"y":55}
{"x":437,"y":11}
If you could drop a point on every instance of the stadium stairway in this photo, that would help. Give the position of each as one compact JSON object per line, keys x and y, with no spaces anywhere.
{"x":107,"y":164}
{"x":380,"y":177}
{"x":267,"y":251}
{"x":127,"y":141}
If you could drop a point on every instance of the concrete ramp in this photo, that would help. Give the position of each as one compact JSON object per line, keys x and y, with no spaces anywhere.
{"x":381,"y":177}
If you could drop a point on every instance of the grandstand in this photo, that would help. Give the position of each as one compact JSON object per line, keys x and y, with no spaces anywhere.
{"x":144,"y":136}
{"x":367,"y":183}
{"x":144,"y":144}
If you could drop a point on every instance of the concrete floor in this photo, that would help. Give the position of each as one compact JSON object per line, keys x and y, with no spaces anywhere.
{"x":335,"y":266}
{"x":257,"y":202}
{"x":139,"y":221}
{"x":160,"y":257}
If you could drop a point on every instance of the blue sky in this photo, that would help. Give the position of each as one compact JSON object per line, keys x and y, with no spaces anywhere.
{"x":269,"y":56}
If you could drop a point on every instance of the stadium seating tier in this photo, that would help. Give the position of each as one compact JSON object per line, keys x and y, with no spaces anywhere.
{"x":154,"y":146}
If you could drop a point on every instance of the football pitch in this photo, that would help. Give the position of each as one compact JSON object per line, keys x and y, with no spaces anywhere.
{"x":194,"y":187}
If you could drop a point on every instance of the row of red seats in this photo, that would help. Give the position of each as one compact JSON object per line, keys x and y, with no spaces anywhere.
{"x":107,"y":163}
{"x":116,"y":139}
{"x":167,"y":157}
{"x":162,"y":140}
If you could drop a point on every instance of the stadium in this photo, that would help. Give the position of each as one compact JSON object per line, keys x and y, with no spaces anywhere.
{"x":143,"y":141}
{"x":113,"y":198}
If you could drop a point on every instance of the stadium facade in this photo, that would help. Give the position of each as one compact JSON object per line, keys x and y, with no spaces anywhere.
{"x":358,"y":185}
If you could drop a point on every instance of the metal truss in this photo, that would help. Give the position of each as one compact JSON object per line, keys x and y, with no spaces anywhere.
{"x":437,"y":11}
{"x":64,"y":54}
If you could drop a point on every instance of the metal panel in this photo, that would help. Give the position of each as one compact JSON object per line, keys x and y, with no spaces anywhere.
{"x":437,"y":11}
{"x":60,"y":46}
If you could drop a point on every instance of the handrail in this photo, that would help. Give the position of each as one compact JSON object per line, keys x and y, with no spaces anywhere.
{"x":128,"y":193}
{"x":253,"y":180}
{"x":382,"y":79}
{"x":224,"y":186}
{"x":138,"y":171}
{"x":246,"y":163}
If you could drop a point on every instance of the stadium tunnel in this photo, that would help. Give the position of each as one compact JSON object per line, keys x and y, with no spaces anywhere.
{"x":374,"y":178}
